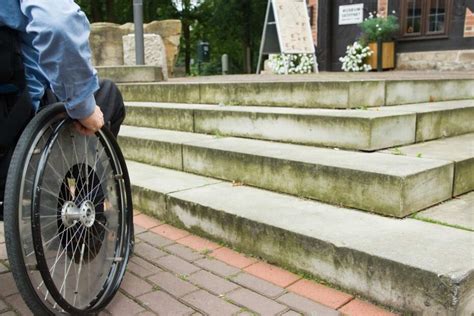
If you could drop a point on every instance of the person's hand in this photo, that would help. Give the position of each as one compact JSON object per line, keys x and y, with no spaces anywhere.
{"x":90,"y":125}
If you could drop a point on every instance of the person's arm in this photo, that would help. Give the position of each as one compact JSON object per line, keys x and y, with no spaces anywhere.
{"x":60,"y":32}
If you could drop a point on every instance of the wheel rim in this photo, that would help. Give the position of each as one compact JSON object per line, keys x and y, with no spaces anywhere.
{"x":77,"y":227}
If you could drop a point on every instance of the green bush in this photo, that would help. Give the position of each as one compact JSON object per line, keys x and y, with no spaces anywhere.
{"x":376,"y":27}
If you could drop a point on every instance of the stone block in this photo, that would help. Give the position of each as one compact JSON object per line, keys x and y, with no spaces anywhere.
{"x":155,"y":52}
{"x":107,"y":45}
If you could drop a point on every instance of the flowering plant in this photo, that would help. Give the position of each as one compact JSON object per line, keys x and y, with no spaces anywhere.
{"x":377,"y":27}
{"x":296,"y":63}
{"x":356,"y":54}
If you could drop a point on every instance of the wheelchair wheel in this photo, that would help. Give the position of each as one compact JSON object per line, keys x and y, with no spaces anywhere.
{"x":68,"y":216}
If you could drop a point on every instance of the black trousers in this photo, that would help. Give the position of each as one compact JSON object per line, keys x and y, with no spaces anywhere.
{"x":110,"y":101}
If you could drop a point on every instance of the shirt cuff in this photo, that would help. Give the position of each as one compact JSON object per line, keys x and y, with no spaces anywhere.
{"x":83,"y":109}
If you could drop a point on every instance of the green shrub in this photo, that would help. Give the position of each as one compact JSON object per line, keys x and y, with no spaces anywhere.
{"x":377,"y":27}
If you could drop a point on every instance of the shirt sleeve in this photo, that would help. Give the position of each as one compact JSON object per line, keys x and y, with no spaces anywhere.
{"x":60,"y":32}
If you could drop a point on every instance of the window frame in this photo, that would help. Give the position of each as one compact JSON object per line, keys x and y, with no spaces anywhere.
{"x":425,"y":12}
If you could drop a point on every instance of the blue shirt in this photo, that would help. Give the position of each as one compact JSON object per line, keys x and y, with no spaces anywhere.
{"x":55,"y":46}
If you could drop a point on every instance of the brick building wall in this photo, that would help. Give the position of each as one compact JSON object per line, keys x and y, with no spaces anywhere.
{"x":313,"y":4}
{"x":469,"y":24}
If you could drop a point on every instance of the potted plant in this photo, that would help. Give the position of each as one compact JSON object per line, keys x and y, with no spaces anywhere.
{"x":378,"y":32}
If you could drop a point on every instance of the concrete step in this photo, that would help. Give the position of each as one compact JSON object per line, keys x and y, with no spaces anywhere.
{"x":348,"y":129}
{"x":458,"y":212}
{"x":439,"y":119}
{"x":411,"y":265}
{"x":121,"y":74}
{"x":376,"y":182}
{"x":459,"y":150}
{"x":322,"y":91}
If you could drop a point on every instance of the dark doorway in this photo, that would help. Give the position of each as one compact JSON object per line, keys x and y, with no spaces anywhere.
{"x":333,"y":38}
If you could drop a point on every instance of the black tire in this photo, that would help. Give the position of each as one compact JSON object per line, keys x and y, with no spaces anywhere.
{"x":23,"y":220}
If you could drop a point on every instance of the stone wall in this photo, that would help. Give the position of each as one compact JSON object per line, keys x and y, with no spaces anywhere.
{"x":438,"y":60}
{"x":107,"y":47}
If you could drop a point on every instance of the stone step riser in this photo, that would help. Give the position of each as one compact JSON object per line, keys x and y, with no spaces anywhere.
{"x":356,"y":130}
{"x":381,"y":193}
{"x":130,"y":73}
{"x":323,"y":94}
{"x":358,"y":133}
{"x":197,"y":209}
{"x":459,"y":150}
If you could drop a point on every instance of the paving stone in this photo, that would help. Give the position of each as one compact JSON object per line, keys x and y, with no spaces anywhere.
{"x":155,"y":239}
{"x":184,"y":252}
{"x":212,"y":283}
{"x":198,"y":243}
{"x":256,"y":302}
{"x":217,"y":267}
{"x":3,"y":306}
{"x":122,"y":305}
{"x":306,"y":306}
{"x":258,"y":285}
{"x":210,"y":304}
{"x":19,"y":305}
{"x":170,"y":232}
{"x":172,"y":284}
{"x":291,"y":313}
{"x":232,"y":257}
{"x":148,"y":252}
{"x":145,"y":221}
{"x":361,"y":308}
{"x":163,"y":304}
{"x":272,"y":274}
{"x":177,"y":265}
{"x":2,"y":238}
{"x":138,"y":229}
{"x":8,"y":285}
{"x":142,"y":268}
{"x":320,"y":293}
{"x":147,"y":313}
{"x":3,"y":252}
{"x":135,"y":286}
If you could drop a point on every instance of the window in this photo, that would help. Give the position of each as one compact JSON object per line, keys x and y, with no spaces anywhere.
{"x":424,"y":18}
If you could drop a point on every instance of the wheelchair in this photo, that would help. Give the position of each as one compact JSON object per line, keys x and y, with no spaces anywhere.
{"x":68,"y":216}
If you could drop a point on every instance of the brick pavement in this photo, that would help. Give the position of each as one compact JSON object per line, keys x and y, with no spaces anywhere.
{"x":176,"y":273}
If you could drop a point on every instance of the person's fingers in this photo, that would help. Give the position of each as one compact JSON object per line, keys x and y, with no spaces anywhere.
{"x":83,"y":130}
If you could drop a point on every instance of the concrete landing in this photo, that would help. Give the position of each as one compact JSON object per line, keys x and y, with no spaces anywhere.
{"x":375,"y":182}
{"x":456,"y":212}
{"x":459,"y":150}
{"x":408,"y":264}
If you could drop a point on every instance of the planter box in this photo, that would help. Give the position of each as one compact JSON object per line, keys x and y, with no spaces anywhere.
{"x":388,"y":55}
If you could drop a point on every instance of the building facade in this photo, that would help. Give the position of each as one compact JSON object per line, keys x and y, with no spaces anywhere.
{"x":434,"y":34}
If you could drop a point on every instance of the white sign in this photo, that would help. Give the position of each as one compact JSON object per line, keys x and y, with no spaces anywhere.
{"x":293,"y":27}
{"x":351,"y":14}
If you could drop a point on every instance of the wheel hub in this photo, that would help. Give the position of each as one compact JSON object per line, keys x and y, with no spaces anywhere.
{"x":71,"y":214}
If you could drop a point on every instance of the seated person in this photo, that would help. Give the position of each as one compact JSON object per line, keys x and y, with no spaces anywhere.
{"x":45,"y":58}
